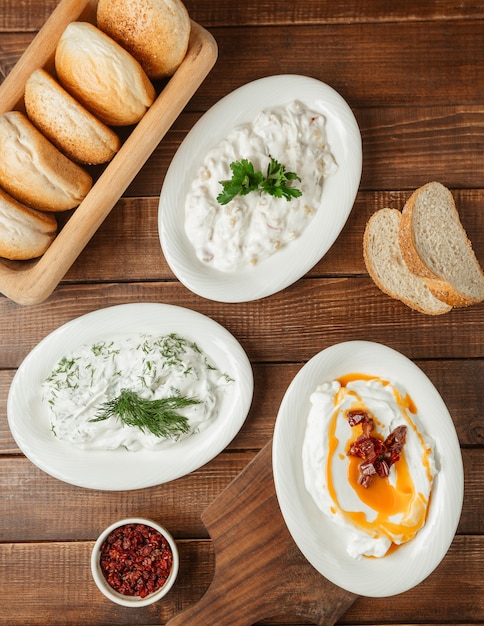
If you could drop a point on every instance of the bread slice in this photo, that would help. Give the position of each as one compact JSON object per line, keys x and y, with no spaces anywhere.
{"x":24,"y":233}
{"x":34,"y":171}
{"x":155,"y":32}
{"x":436,"y":248}
{"x":387,"y":268}
{"x":102,"y":75}
{"x":66,"y":123}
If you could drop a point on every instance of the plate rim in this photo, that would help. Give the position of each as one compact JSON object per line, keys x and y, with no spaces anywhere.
{"x":256,"y":283}
{"x":332,"y":566}
{"x":213,"y":439}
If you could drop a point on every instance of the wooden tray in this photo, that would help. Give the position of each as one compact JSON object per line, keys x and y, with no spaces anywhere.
{"x":259,"y":570}
{"x":31,"y":282}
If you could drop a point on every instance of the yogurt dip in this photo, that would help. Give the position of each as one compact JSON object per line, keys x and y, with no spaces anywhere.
{"x":391,"y":510}
{"x":152,"y":366}
{"x":251,"y":228}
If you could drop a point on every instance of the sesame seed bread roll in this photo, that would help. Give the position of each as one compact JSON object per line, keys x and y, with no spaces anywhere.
{"x":24,"y":233}
{"x":435,"y":247}
{"x":102,"y":75}
{"x":385,"y":264}
{"x":34,"y":171}
{"x":66,"y":123}
{"x":155,"y":32}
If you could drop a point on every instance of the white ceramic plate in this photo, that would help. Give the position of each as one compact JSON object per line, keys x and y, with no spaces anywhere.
{"x":294,"y":260}
{"x":29,"y":421}
{"x":319,"y":539}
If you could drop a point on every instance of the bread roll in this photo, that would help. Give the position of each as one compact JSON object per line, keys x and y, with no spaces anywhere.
{"x":155,"y":32}
{"x":34,"y":171}
{"x":24,"y":233}
{"x":102,"y":75}
{"x":435,"y":247}
{"x":387,"y":268}
{"x":68,"y":125}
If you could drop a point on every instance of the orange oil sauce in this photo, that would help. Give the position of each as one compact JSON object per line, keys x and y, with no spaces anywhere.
{"x":386,"y":499}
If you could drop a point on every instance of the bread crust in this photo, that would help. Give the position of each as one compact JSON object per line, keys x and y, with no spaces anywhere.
{"x":398,"y":283}
{"x":24,"y":233}
{"x":66,"y":123}
{"x":155,"y":32}
{"x":102,"y":75}
{"x":34,"y":171}
{"x":407,"y":242}
{"x":438,"y":285}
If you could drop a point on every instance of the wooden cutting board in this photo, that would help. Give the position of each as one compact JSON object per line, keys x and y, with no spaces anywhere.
{"x":259,"y":570}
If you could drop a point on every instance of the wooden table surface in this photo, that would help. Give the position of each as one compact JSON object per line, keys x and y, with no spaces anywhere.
{"x":413,"y":73}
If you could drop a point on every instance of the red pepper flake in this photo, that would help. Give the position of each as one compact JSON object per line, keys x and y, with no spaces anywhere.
{"x":136,"y":560}
{"x":378,"y":455}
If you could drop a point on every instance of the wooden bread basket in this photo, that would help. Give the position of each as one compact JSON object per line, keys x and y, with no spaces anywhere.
{"x":31,"y":282}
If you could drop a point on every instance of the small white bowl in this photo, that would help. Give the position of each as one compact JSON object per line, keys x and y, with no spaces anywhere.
{"x":110,"y":592}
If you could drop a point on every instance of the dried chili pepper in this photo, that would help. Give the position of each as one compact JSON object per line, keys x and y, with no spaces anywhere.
{"x":136,"y":560}
{"x":378,"y":455}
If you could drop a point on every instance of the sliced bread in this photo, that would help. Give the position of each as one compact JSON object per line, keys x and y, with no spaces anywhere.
{"x":387,"y":268}
{"x":24,"y":232}
{"x":435,"y":247}
{"x":34,"y":171}
{"x":66,"y":123}
{"x":102,"y":75}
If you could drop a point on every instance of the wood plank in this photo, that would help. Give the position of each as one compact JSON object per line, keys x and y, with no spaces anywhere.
{"x":403,"y":62}
{"x":282,"y":327}
{"x":28,"y":563}
{"x":406,"y":148}
{"x":451,"y":605}
{"x":262,"y":12}
{"x":127,"y":245}
{"x":66,"y":582}
{"x":34,"y":12}
{"x":394,"y":71}
{"x":28,"y":16}
{"x":459,"y":383}
{"x":12,"y":46}
{"x":30,"y":500}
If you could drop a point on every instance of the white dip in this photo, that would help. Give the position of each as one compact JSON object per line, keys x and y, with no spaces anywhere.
{"x":251,"y":228}
{"x":390,"y":510}
{"x":152,"y":366}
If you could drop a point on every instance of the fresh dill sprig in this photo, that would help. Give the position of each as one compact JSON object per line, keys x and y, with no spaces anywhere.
{"x":159,"y":417}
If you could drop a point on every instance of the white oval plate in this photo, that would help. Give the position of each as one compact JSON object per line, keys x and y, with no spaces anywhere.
{"x":294,"y":260}
{"x":322,"y":542}
{"x":29,"y":421}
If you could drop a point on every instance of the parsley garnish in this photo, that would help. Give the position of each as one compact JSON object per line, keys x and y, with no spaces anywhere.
{"x":245,"y":179}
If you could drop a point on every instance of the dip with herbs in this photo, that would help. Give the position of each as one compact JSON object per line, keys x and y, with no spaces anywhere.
{"x":133,"y":391}
{"x":241,"y":207}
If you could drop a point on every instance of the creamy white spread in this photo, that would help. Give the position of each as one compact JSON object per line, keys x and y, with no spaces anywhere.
{"x":152,"y":366}
{"x":252,"y":227}
{"x":390,"y":510}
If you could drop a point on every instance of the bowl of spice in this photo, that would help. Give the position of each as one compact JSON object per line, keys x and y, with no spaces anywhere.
{"x":134,"y":562}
